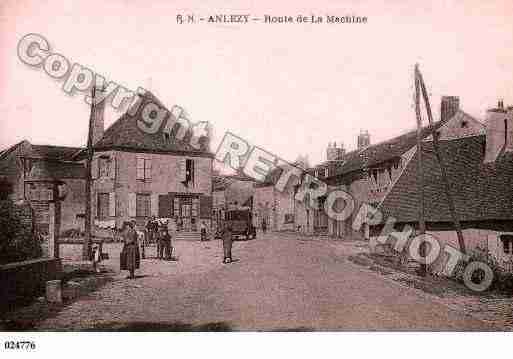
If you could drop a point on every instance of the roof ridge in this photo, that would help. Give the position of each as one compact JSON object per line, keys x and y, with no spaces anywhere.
{"x":12,"y":148}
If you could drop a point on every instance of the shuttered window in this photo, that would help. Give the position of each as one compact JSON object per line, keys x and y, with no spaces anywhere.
{"x":140,"y":168}
{"x":143,"y":168}
{"x":176,"y":206}
{"x":104,"y":167}
{"x":103,"y":205}
{"x":143,"y":205}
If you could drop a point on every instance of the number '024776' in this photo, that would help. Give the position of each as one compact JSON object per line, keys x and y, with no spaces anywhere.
{"x":21,"y":345}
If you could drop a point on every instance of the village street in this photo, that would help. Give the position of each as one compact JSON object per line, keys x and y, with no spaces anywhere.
{"x":278,"y":282}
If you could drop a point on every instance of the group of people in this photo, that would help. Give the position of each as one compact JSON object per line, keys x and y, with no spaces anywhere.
{"x":130,"y":258}
{"x":160,"y":234}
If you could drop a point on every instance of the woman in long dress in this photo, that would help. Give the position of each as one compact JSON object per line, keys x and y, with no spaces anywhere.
{"x":130,"y":258}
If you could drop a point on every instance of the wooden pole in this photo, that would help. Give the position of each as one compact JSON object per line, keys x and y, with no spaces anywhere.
{"x":420,"y":169}
{"x":443,"y":170}
{"x":86,"y":248}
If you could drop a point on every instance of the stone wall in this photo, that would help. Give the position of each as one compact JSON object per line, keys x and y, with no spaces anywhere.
{"x":20,"y":282}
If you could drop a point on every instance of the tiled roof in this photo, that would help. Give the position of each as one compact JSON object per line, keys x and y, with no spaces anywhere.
{"x":54,"y":152}
{"x":481,"y":191}
{"x":48,"y":152}
{"x":125,"y":134}
{"x":387,"y":150}
{"x":220,"y":182}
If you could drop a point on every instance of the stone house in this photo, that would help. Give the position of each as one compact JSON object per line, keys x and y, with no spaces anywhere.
{"x":228,"y":190}
{"x":481,"y":173}
{"x":30,"y":168}
{"x":137,"y":175}
{"x":277,"y":208}
{"x":369,"y":172}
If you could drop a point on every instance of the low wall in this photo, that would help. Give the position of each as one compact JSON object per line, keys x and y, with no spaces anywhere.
{"x":20,"y":282}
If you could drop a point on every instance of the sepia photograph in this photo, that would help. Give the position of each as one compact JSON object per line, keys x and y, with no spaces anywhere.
{"x":302,"y":172}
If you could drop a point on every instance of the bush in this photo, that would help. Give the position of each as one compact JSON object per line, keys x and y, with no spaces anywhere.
{"x":17,"y":243}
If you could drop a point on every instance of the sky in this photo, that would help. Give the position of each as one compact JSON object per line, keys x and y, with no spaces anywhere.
{"x":289,"y":88}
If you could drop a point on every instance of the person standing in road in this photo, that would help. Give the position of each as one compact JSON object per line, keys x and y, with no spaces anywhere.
{"x":264,"y":225}
{"x":161,"y":243}
{"x":203,"y":230}
{"x":150,"y":228}
{"x":165,"y":243}
{"x":129,"y":258}
{"x":227,"y":244}
{"x":151,"y":231}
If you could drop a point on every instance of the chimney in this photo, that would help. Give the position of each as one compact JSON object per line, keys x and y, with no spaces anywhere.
{"x":98,"y":114}
{"x":509,"y":128}
{"x":363,"y":140}
{"x":498,"y":131}
{"x":449,"y":105}
{"x":333,"y":152}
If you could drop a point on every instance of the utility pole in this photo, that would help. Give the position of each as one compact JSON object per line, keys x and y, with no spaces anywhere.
{"x":420,"y":169}
{"x":86,"y":248}
{"x":443,"y":171}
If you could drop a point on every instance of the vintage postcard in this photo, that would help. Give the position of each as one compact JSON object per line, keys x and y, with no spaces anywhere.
{"x":242,"y":166}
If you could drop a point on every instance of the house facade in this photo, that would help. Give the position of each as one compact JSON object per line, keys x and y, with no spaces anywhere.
{"x":480,"y":171}
{"x":227,"y":191}
{"x":369,"y":172}
{"x":136,"y":175}
{"x":31,"y":169}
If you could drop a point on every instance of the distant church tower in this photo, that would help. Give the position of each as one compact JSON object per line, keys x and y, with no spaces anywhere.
{"x":363,"y":139}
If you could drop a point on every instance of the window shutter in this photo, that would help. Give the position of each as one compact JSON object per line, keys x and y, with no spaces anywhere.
{"x":94,"y":204}
{"x":182,"y":172}
{"x":131,"y":205}
{"x":147,"y":168}
{"x":192,"y":169}
{"x":165,"y":206}
{"x":112,"y":204}
{"x":205,"y":207}
{"x":112,"y":169}
{"x":94,"y":168}
{"x":176,"y":206}
{"x":140,"y":168}
{"x":154,"y":205}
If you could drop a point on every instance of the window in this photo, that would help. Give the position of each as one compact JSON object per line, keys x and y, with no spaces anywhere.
{"x":507,"y":243}
{"x":189,"y":171}
{"x":176,"y":207}
{"x":195,"y":207}
{"x":142,"y":205}
{"x":103,"y":205}
{"x":143,"y":168}
{"x":103,"y":166}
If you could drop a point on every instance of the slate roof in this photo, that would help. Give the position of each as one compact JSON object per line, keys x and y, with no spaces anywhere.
{"x":481,"y":191}
{"x":125,"y":134}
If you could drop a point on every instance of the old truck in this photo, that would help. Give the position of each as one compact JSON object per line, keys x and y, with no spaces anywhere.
{"x":240,"y":220}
